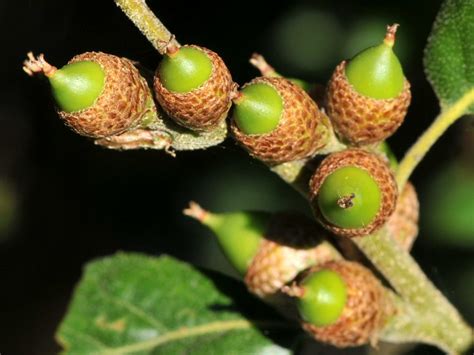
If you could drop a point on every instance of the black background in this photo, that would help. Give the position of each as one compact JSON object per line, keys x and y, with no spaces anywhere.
{"x":77,"y":201}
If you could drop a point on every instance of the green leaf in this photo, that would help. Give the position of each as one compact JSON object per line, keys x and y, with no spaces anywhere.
{"x":136,"y":304}
{"x":449,"y":55}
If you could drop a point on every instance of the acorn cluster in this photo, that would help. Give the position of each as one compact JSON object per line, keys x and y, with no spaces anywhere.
{"x":352,"y":191}
{"x":278,"y":255}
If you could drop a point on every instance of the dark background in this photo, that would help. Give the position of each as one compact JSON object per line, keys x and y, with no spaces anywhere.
{"x":64,"y":201}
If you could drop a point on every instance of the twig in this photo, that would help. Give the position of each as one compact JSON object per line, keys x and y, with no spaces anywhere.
{"x":416,"y":153}
{"x":148,"y":24}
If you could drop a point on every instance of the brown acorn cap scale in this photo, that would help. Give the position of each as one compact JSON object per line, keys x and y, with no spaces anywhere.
{"x":300,"y":132}
{"x":377,"y":169}
{"x":292,"y":243}
{"x":359,"y":119}
{"x":403,"y":224}
{"x":364,"y":313}
{"x":121,"y":104}
{"x":205,"y":107}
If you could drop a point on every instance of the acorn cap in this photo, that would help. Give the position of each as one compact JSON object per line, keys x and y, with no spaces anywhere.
{"x":291,"y":244}
{"x":403,"y":224}
{"x":365,"y":310}
{"x":122,"y":103}
{"x":359,"y":119}
{"x":378,"y":171}
{"x":205,"y":107}
{"x":300,"y":132}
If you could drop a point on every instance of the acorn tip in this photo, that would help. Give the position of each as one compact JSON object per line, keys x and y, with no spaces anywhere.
{"x":259,"y":62}
{"x":195,"y":211}
{"x":390,"y":35}
{"x":346,"y":201}
{"x":35,"y":65}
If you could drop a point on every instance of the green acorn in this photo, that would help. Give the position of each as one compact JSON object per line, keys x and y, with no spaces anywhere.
{"x":269,"y":250}
{"x":194,"y":86}
{"x":276,"y":121}
{"x":368,"y":98}
{"x":341,"y":303}
{"x":323,"y":297}
{"x":353,"y":192}
{"x":97,"y":94}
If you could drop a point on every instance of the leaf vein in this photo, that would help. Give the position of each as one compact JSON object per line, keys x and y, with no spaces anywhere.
{"x":84,"y":336}
{"x":187,"y":332}
{"x":138,"y":312}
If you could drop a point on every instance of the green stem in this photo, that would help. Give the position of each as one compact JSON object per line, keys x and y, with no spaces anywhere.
{"x":412,"y":326}
{"x":416,"y":153}
{"x":148,"y":24}
{"x":158,"y":131}
{"x":439,"y":319}
{"x":424,"y":314}
{"x":435,"y":321}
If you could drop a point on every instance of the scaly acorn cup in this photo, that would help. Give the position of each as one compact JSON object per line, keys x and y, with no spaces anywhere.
{"x":276,"y":121}
{"x":353,"y":192}
{"x":194,"y":86}
{"x":341,"y":303}
{"x":267,"y":249}
{"x":403,"y":224}
{"x":291,"y":244}
{"x":367,"y":99}
{"x":97,"y":94}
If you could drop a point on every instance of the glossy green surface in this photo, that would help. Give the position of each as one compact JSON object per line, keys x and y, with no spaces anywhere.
{"x":239,"y":235}
{"x":376,"y":72}
{"x":324,"y":298}
{"x":259,"y":110}
{"x":344,"y":182}
{"x":77,"y":86}
{"x":185,"y":70}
